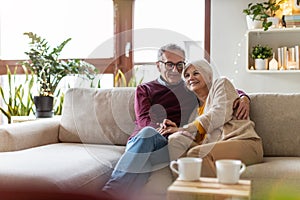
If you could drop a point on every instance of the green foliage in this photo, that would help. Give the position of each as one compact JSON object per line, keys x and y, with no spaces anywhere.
{"x":262,"y":52}
{"x":18,"y":101}
{"x":256,"y":11}
{"x":45,"y":63}
{"x":261,"y":11}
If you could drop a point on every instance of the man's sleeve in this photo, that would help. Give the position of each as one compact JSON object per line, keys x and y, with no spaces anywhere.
{"x":242,"y":93}
{"x":142,"y":105}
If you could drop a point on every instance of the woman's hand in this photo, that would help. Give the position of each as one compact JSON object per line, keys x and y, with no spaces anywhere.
{"x":167,"y":127}
{"x":243,"y":107}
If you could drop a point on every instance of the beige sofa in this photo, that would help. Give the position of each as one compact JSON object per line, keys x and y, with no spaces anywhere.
{"x":75,"y":154}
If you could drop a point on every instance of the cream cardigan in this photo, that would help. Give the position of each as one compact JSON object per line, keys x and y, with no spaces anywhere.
{"x":218,"y":116}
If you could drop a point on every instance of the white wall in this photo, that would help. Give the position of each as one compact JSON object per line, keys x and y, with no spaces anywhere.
{"x":228,"y":49}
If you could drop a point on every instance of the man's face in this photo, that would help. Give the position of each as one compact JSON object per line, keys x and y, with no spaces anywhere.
{"x":172,"y":76}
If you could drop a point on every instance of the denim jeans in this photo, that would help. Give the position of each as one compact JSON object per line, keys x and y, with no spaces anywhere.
{"x":146,"y":152}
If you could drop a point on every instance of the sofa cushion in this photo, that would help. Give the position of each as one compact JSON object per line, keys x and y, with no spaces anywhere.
{"x":97,"y":116}
{"x":277,"y":122}
{"x":59,"y":167}
{"x":274,"y":168}
{"x":275,"y":178}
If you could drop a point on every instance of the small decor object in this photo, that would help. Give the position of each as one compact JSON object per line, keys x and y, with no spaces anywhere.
{"x":261,"y":54}
{"x":44,"y":62}
{"x":273,"y":64}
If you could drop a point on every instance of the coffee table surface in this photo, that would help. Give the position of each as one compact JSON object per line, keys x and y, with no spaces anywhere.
{"x":208,"y":188}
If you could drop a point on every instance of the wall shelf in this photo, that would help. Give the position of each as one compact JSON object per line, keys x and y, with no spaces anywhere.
{"x":274,"y":38}
{"x":273,"y":71}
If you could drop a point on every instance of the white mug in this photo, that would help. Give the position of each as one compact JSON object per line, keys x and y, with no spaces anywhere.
{"x":189,"y":169}
{"x":229,"y":171}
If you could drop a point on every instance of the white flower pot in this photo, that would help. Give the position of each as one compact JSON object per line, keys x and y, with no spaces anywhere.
{"x":261,"y":64}
{"x":253,"y":24}
{"x":274,"y":20}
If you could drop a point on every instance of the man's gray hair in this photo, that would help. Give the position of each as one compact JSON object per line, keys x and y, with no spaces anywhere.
{"x":169,"y":47}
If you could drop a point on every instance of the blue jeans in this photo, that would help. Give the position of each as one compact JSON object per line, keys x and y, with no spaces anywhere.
{"x":144,"y":152}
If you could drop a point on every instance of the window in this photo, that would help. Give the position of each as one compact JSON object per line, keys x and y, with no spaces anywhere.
{"x":159,"y":22}
{"x":89,"y":24}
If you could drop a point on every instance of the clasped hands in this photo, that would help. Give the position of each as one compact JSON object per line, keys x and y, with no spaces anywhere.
{"x":167,"y":127}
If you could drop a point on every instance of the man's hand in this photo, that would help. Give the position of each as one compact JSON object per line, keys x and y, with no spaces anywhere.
{"x":243,"y":107}
{"x":167,"y":127}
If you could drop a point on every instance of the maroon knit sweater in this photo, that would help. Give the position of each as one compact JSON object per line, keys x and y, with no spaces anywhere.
{"x":155,"y":102}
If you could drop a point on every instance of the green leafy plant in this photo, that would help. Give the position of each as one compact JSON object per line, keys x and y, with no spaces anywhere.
{"x":44,"y":62}
{"x":261,"y":11}
{"x":261,"y":52}
{"x":255,"y":11}
{"x":17,"y":98}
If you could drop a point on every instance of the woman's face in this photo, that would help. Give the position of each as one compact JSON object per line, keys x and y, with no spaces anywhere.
{"x":194,"y":80}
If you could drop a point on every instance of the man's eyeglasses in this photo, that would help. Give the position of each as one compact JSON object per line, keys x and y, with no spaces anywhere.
{"x":170,"y":65}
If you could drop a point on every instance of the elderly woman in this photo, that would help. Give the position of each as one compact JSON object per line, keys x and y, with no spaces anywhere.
{"x":215,"y":133}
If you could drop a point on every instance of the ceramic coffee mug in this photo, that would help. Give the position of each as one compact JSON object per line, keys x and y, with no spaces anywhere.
{"x":189,"y":169}
{"x":229,"y":171}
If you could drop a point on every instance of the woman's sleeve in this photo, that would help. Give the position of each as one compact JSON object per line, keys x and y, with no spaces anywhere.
{"x":219,"y":105}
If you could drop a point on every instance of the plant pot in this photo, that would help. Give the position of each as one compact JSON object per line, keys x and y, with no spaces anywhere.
{"x":253,"y":24}
{"x":261,"y":64}
{"x":44,"y":106}
{"x":274,"y":20}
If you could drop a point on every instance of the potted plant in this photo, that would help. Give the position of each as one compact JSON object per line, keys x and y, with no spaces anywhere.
{"x":260,"y":54}
{"x":16,"y":97}
{"x":263,"y":14}
{"x":272,"y":6}
{"x":44,"y":62}
{"x":255,"y":13}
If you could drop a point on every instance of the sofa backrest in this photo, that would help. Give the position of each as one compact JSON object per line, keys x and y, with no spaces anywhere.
{"x":277,"y":122}
{"x":106,"y":116}
{"x":98,"y":116}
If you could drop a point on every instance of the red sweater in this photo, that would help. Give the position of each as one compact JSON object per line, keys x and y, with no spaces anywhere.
{"x":155,"y":102}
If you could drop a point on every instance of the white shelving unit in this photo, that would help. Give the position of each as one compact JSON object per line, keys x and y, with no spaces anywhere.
{"x":274,"y":38}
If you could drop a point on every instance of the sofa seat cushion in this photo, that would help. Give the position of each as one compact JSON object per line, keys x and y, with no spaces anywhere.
{"x":59,"y":167}
{"x":275,"y":168}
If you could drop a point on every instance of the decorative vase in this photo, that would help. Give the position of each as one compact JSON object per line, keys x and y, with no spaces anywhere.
{"x":261,"y":64}
{"x":253,"y":24}
{"x":44,"y":106}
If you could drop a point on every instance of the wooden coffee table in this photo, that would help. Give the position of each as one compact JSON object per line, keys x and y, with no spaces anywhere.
{"x":208,"y":189}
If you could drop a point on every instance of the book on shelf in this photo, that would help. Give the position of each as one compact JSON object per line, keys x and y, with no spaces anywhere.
{"x":288,"y":58}
{"x":291,"y":21}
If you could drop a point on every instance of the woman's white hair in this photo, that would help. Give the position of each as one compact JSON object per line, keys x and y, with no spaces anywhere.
{"x":204,"y":68}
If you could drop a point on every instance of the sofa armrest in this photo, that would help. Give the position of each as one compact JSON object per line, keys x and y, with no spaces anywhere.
{"x":29,"y":134}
